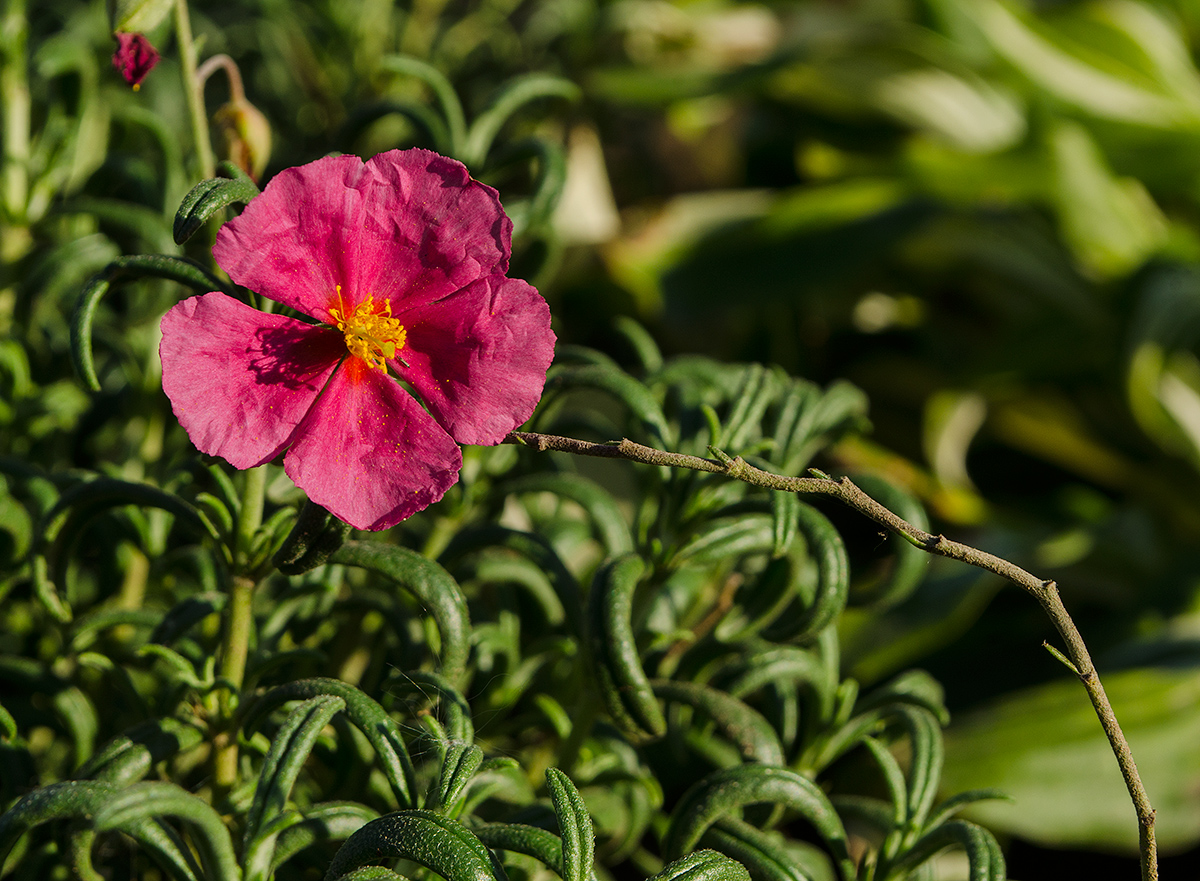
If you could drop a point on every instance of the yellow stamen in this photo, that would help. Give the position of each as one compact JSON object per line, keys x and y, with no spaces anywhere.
{"x":372,"y":334}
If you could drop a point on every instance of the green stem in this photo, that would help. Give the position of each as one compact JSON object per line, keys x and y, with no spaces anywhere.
{"x":14,"y":85}
{"x":235,"y":642}
{"x":253,"y":492}
{"x":239,"y":620}
{"x":193,"y":90}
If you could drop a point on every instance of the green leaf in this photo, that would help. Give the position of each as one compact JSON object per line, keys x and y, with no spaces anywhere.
{"x":367,"y":715}
{"x":827,"y":601}
{"x":512,"y":96}
{"x":372,"y":873}
{"x":207,"y":198}
{"x":138,"y":16}
{"x":624,"y":687}
{"x":541,"y":844}
{"x":84,"y":799}
{"x":325,"y":821}
{"x":178,"y":269}
{"x":575,"y":827}
{"x":610,"y":524}
{"x":725,"y":792}
{"x":531,"y":546}
{"x":703,"y":865}
{"x":130,"y":756}
{"x":289,"y":751}
{"x":143,"y":801}
{"x":432,"y":586}
{"x":983,"y":852}
{"x":441,"y":845}
{"x":461,"y":762}
{"x":742,"y":724}
{"x":621,"y":386}
{"x":766,"y":855}
{"x":456,"y":124}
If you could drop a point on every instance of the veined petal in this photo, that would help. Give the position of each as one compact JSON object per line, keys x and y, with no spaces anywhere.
{"x":408,"y":226}
{"x":368,"y":453}
{"x":240,"y":380}
{"x":479,"y":357}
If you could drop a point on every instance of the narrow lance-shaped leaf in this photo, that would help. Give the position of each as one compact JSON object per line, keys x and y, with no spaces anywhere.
{"x":178,"y":269}
{"x":512,"y":96}
{"x":575,"y":827}
{"x":368,"y":716}
{"x":433,"y":587}
{"x":289,"y":751}
{"x":159,"y":799}
{"x":703,"y":865}
{"x":742,"y":724}
{"x":452,"y":110}
{"x":441,"y":845}
{"x":624,"y":687}
{"x":210,"y":196}
{"x":726,"y":792}
{"x":983,"y":852}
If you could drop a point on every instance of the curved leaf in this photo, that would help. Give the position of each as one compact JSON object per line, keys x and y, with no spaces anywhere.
{"x":178,"y":269}
{"x":289,"y":751}
{"x":624,"y":687}
{"x":983,"y":852}
{"x":441,"y":845}
{"x":513,"y":94}
{"x":703,"y":865}
{"x":326,"y":821}
{"x":743,"y":725}
{"x":456,"y":123}
{"x":130,"y":756}
{"x":725,"y":792}
{"x":143,"y":801}
{"x":432,"y":586}
{"x":575,"y":827}
{"x":621,"y":386}
{"x":599,"y":504}
{"x":458,"y":768}
{"x":208,"y":197}
{"x":368,"y":716}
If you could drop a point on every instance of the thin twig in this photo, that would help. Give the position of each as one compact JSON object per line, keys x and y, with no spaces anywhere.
{"x":846,"y":492}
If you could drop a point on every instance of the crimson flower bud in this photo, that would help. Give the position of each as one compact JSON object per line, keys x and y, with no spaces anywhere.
{"x":134,"y":58}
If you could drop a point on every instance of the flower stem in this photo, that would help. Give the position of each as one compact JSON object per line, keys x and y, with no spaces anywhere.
{"x":846,"y":492}
{"x":235,"y":641}
{"x":253,"y":493}
{"x":193,"y":90}
{"x":239,"y":620}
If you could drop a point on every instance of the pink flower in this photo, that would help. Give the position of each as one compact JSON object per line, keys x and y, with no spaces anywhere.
{"x":134,"y":58}
{"x":402,"y":263}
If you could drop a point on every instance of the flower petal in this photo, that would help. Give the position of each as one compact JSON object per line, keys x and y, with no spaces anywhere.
{"x":478,"y":358}
{"x":241,"y":380}
{"x":369,"y":453}
{"x":408,"y":226}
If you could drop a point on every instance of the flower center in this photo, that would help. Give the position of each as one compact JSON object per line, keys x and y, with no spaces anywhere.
{"x":372,"y":334}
